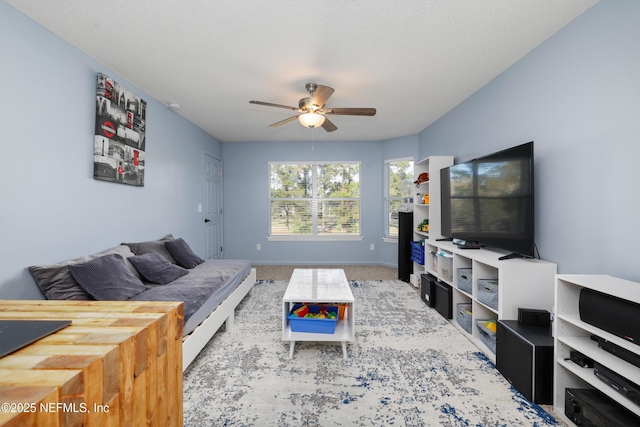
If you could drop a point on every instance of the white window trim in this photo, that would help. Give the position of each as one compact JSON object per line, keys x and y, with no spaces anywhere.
{"x":315,"y":238}
{"x":400,"y":159}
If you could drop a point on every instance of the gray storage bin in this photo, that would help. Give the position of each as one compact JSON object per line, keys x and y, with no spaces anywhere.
{"x":465,"y":282}
{"x":463,"y":316}
{"x":488,"y":292}
{"x":487,"y":336}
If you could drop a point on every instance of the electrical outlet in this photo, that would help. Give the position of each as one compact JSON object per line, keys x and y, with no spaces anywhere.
{"x":258,"y":247}
{"x":372,"y":247}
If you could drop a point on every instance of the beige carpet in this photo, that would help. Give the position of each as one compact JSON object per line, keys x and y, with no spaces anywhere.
{"x":353,"y":272}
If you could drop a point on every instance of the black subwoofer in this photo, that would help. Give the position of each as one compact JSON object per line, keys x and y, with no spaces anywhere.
{"x":524,"y":356}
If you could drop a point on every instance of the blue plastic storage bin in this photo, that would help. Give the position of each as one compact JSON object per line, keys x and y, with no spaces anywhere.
{"x":307,"y":324}
{"x":417,"y":253}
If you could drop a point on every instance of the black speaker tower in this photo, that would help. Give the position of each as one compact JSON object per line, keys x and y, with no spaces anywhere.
{"x":405,"y":236}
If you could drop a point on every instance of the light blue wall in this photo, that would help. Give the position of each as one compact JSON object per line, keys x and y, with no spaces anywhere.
{"x":246,"y":192}
{"x":246,"y":189}
{"x":578,"y":97}
{"x":51,"y":208}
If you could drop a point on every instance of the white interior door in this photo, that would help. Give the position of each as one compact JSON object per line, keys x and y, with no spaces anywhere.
{"x":212,"y":207}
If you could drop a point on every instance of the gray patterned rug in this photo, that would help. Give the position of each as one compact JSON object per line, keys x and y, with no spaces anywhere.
{"x":407,"y":367}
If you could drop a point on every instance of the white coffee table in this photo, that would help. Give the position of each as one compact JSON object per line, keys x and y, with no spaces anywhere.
{"x":319,"y":285}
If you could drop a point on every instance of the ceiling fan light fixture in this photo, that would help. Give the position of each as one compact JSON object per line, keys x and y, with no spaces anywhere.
{"x":311,"y":120}
{"x":312,"y":109}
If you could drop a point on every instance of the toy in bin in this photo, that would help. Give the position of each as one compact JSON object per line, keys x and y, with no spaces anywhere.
{"x":319,"y":319}
{"x":339,"y":306}
{"x":301,"y":311}
{"x":490,"y":325}
{"x":322,"y":313}
{"x":487,"y":331}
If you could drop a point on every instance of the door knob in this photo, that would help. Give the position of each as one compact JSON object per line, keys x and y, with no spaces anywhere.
{"x":207,"y":220}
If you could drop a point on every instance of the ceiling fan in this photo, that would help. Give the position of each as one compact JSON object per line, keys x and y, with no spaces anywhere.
{"x":313,"y":109}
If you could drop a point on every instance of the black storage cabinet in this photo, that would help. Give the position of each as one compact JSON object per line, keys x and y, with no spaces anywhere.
{"x":405,"y":236}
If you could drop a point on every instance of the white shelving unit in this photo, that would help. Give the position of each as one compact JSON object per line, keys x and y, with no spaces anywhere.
{"x":522,"y":283}
{"x":431,"y":165}
{"x":572,"y":334}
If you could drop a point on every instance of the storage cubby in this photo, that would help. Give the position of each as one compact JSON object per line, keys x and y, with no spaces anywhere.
{"x":445,"y":266}
{"x":430,"y":259}
{"x":571,"y":333}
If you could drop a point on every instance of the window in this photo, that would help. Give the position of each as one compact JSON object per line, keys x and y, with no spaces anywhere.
{"x":398,"y":179}
{"x":314,"y":201}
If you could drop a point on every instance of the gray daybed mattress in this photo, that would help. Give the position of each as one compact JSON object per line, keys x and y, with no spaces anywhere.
{"x":202,"y":290}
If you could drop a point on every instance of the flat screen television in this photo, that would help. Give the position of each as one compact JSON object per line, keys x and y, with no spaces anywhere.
{"x":488,"y":201}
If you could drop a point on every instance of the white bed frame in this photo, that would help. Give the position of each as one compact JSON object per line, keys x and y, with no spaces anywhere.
{"x":224,"y":313}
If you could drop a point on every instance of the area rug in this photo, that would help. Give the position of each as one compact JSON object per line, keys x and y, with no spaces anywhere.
{"x":408,"y":366}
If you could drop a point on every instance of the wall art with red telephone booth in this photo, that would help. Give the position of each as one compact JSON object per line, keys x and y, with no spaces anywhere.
{"x":119,"y":144}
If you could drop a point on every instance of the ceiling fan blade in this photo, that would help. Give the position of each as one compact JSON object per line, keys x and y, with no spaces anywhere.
{"x":321,"y":94}
{"x":351,"y":111}
{"x":282,"y":122}
{"x":328,"y":125}
{"x":269,"y":104}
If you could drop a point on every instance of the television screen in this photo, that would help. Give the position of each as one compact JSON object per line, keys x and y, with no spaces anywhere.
{"x":489,"y":200}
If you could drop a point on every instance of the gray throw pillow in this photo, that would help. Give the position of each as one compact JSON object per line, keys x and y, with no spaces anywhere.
{"x":107,"y":278}
{"x":56,"y":282}
{"x":141,"y":248}
{"x":182,"y":253}
{"x":155,"y":268}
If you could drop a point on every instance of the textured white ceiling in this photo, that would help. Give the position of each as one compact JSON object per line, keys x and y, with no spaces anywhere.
{"x":413,"y":60}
